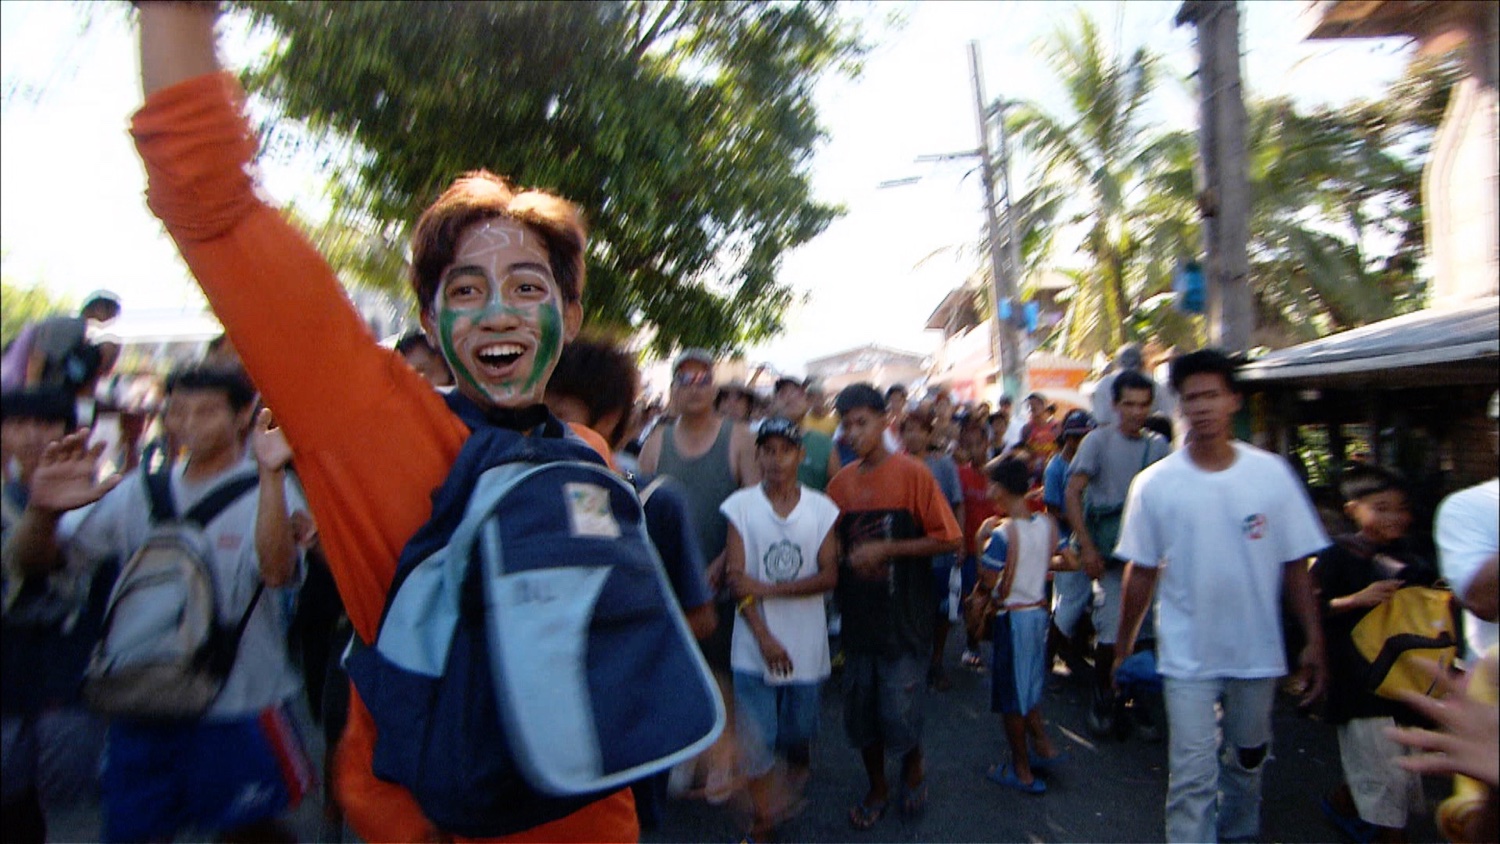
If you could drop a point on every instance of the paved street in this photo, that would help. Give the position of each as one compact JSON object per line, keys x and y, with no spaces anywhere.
{"x":1108,"y":791}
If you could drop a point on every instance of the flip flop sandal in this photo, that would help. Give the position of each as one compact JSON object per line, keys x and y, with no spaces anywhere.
{"x":1002,"y":775}
{"x":864,"y":816}
{"x":914,"y":798}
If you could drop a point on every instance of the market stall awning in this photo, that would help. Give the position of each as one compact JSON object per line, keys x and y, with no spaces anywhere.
{"x":1452,"y":345}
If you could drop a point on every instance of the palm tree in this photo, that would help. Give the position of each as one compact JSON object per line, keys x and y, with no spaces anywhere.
{"x":1101,"y":153}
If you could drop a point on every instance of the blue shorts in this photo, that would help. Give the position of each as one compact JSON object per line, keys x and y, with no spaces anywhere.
{"x":201,"y":776}
{"x":1020,"y":661}
{"x":774,"y":719}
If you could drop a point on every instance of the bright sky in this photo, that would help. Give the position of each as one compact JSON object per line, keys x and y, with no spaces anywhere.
{"x":72,"y":215}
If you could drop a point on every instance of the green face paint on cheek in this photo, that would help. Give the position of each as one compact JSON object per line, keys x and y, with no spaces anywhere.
{"x":447,"y":322}
{"x":550,"y":321}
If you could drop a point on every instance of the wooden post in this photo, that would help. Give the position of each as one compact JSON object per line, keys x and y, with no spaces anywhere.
{"x":1224,"y":198}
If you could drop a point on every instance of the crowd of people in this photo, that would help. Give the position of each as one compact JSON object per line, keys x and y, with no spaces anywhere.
{"x":165,"y":614}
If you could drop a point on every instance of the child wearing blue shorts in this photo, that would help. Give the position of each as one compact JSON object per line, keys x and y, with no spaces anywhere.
{"x":1015,"y":565}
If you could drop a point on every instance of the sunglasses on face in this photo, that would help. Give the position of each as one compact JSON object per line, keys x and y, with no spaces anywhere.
{"x":694,"y":379}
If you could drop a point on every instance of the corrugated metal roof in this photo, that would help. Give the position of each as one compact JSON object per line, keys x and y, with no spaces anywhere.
{"x":1458,"y":334}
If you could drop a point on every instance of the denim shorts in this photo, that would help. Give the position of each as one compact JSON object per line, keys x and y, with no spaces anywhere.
{"x":884,"y":700}
{"x":774,"y":719}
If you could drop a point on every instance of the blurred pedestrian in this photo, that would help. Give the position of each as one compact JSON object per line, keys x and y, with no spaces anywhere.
{"x":1099,"y":477}
{"x":893,"y":520}
{"x":1226,"y":526}
{"x":781,"y":560}
{"x":1016,"y":562}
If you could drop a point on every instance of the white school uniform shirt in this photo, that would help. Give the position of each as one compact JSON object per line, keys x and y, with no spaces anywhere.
{"x":781,"y":550}
{"x":1221,"y":540}
{"x":117,"y":525}
{"x":1467,"y":531}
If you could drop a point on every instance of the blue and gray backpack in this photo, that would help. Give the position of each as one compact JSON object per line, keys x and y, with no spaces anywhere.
{"x":531,"y":657}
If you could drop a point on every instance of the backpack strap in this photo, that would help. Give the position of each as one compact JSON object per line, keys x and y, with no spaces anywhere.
{"x":652,"y":487}
{"x":159,"y":493}
{"x":219,"y":499}
{"x":239,"y":629}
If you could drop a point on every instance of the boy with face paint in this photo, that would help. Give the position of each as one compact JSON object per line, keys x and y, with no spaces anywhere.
{"x":498,"y":274}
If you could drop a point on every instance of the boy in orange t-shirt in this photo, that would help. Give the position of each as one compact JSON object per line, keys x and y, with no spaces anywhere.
{"x":894,"y":520}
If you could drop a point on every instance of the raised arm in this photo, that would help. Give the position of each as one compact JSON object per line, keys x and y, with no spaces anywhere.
{"x":275,"y":540}
{"x":177,"y":42}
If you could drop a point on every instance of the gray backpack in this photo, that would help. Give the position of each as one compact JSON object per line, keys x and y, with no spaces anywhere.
{"x":164,"y":654}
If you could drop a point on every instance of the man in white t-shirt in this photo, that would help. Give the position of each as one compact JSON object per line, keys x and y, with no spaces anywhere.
{"x":1225,"y":530}
{"x":1467,"y":532}
{"x":780,"y":559}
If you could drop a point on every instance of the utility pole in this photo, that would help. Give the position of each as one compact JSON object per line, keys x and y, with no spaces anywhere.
{"x":1007,"y":350}
{"x":1224,"y":197}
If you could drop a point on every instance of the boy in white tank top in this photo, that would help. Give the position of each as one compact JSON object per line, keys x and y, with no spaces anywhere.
{"x":1014,"y":567}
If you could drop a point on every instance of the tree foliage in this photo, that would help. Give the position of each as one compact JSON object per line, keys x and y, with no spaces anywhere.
{"x":1336,"y":230}
{"x":20,"y":305}
{"x":1099,"y":151}
{"x":684,"y":129}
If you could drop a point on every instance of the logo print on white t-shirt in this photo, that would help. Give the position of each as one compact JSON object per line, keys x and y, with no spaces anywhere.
{"x":782,"y":561}
{"x":1255,"y":526}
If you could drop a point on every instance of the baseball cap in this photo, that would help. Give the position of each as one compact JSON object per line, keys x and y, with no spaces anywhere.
{"x":1077,"y":422}
{"x":702,"y":356}
{"x":779,"y":426}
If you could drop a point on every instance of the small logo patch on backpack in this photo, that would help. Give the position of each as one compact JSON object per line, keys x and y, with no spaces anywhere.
{"x":588,"y":511}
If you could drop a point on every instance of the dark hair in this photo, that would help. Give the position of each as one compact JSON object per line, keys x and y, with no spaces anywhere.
{"x":480,"y":195}
{"x":1129,"y":379}
{"x":1005,"y":401}
{"x":1360,"y":481}
{"x":1010,"y":473}
{"x":894,"y":389}
{"x":232,"y":381}
{"x":1160,"y":424}
{"x":923,"y":416}
{"x":601,"y":376}
{"x":1204,"y":362}
{"x":44,"y":404}
{"x":784,"y":382}
{"x":413,"y":340}
{"x":856,"y":396}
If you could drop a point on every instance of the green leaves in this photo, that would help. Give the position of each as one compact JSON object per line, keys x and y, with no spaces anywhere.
{"x":1336,"y":225}
{"x":685,"y":130}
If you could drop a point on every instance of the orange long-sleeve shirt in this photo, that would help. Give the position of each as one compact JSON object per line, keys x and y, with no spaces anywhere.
{"x":372,"y":439}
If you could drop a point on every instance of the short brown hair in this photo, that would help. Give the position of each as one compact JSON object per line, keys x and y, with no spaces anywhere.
{"x":922,"y":416}
{"x":481,"y":195}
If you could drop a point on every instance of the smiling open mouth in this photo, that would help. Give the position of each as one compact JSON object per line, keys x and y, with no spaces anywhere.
{"x":500,"y":355}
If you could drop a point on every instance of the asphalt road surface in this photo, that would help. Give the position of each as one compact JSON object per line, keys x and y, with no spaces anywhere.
{"x":1108,"y":791}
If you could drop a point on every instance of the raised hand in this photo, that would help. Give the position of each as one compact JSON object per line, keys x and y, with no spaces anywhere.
{"x":1468,"y":739}
{"x":272,"y":451}
{"x":65,"y":477}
